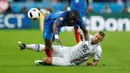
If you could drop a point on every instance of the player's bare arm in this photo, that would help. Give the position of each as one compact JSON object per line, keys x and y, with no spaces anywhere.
{"x":94,"y":63}
{"x":55,"y":26}
{"x":86,"y":35}
{"x":55,"y":30}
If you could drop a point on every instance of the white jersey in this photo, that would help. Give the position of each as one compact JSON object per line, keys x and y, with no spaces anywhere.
{"x":78,"y":54}
{"x":65,"y":56}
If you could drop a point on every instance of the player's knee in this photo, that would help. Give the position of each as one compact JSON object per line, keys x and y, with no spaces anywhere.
{"x":48,"y":44}
{"x":48,"y":47}
{"x":48,"y":60}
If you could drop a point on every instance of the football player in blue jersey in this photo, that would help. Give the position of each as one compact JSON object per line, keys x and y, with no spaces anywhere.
{"x":53,"y":24}
{"x":80,"y":6}
{"x":55,"y":21}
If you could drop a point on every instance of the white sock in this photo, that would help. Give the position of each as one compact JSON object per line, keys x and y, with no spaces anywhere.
{"x":35,"y":47}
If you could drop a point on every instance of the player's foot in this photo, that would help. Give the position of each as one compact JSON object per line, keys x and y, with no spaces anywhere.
{"x":21,"y":45}
{"x":39,"y":62}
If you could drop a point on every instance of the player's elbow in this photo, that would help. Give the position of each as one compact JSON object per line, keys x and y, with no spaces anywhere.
{"x":95,"y":63}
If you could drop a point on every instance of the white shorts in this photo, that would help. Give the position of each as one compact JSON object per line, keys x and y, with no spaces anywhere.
{"x":60,"y":61}
{"x":60,"y":56}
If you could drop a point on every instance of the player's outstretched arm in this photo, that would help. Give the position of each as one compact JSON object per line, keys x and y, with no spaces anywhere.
{"x":85,"y":31}
{"x":55,"y":27}
{"x":55,"y":30}
{"x":86,"y":35}
{"x":94,"y":63}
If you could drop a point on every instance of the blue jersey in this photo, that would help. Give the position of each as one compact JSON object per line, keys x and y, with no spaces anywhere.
{"x":79,"y":5}
{"x":63,"y":19}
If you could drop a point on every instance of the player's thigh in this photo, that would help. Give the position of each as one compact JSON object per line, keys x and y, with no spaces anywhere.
{"x":59,"y":51}
{"x":64,"y":50}
{"x":60,"y":61}
{"x":56,"y":51}
{"x":48,"y":31}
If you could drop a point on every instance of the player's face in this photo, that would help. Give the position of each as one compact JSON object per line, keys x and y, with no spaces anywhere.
{"x":97,"y":38}
{"x":72,"y":21}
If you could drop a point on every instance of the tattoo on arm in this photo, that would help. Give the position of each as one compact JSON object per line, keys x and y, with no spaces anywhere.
{"x":55,"y":26}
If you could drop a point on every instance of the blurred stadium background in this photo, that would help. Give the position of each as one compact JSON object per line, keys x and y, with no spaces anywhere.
{"x":111,"y":16}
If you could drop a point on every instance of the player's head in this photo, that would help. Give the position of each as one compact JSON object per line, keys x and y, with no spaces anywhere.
{"x":73,"y":15}
{"x":98,"y":37}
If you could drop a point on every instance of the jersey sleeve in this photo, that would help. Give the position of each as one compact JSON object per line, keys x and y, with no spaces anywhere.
{"x":98,"y":53}
{"x":61,"y":18}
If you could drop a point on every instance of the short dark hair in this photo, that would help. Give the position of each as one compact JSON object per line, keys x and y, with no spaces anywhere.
{"x":102,"y":33}
{"x":74,"y":13}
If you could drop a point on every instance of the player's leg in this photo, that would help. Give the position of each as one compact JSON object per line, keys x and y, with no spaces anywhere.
{"x":45,"y":61}
{"x":40,"y":47}
{"x":76,"y":29}
{"x":34,"y":47}
{"x":22,"y":46}
{"x":60,"y":51}
{"x":48,"y":47}
{"x":77,"y":36}
{"x":48,"y":36}
{"x":58,"y":57}
{"x":58,"y":61}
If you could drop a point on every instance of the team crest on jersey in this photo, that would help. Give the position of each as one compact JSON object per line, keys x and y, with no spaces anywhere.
{"x":61,"y":18}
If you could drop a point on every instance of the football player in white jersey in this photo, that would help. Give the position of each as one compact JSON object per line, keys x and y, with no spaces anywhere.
{"x":69,"y":56}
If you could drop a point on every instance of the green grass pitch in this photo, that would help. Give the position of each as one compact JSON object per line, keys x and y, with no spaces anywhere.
{"x":115,"y":56}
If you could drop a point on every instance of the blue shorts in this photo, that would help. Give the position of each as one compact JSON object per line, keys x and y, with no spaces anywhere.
{"x":48,"y":30}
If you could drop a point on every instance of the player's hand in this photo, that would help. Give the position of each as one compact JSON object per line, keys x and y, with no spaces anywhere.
{"x":58,"y":40}
{"x":90,"y":64}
